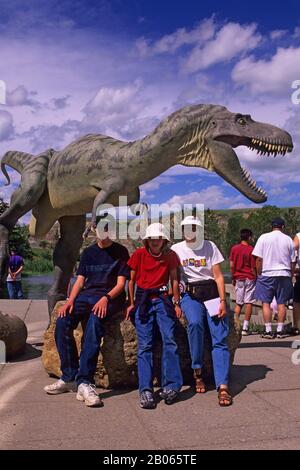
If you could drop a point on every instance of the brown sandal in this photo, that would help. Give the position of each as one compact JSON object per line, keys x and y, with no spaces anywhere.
{"x":199,"y":384}
{"x":224,"y":396}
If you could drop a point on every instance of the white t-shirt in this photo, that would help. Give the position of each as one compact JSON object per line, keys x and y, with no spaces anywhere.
{"x":196,"y":264}
{"x":277,"y":252}
{"x":298,"y":251}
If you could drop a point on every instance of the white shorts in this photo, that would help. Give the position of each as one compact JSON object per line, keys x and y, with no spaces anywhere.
{"x":244,"y":291}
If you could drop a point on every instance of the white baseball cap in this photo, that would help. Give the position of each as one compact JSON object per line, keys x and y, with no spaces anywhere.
{"x":156,"y":230}
{"x":191,"y":220}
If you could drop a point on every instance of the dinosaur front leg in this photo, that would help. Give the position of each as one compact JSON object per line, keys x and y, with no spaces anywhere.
{"x":101,"y":198}
{"x":4,"y":234}
{"x":65,"y":256}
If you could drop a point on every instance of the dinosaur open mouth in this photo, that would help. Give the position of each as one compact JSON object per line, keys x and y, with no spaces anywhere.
{"x":217,"y":154}
{"x":226,"y":163}
{"x":263,"y":146}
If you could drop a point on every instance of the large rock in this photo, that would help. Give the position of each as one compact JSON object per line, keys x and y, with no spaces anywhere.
{"x":13,"y":332}
{"x":117,"y":362}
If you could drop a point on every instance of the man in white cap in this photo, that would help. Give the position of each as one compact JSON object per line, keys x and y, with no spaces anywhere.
{"x":152,"y":267}
{"x":203,"y":281}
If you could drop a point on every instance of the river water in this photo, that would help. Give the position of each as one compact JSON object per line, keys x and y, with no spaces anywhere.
{"x":36,"y":287}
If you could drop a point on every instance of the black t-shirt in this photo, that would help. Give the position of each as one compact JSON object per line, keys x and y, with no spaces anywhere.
{"x":102,"y":266}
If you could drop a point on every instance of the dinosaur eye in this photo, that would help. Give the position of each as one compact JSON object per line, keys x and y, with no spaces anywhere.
{"x":242,"y":121}
{"x":213,"y":123}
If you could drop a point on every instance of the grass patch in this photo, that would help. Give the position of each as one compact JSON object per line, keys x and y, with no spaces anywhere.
{"x":40,"y":263}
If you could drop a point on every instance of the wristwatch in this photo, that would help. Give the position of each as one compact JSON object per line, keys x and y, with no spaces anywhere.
{"x":108,"y":297}
{"x":176,"y":302}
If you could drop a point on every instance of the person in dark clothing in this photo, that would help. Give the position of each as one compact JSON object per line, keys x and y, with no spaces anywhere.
{"x":13,"y":281}
{"x":98,"y":291}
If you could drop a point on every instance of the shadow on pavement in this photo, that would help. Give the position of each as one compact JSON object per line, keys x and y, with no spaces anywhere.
{"x":29,"y":354}
{"x":268,"y":343}
{"x":242,"y":375}
{"x":115,"y":393}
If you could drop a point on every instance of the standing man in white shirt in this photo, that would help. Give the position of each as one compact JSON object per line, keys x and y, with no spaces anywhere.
{"x":202,"y":280}
{"x":275,"y":263}
{"x":296,"y":298}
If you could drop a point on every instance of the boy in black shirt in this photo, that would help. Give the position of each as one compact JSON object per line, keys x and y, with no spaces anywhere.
{"x":99,"y":290}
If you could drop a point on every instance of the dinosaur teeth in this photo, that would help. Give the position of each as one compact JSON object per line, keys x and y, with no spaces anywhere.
{"x":266,"y":147}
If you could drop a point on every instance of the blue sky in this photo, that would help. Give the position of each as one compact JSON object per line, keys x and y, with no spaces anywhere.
{"x":119,"y":67}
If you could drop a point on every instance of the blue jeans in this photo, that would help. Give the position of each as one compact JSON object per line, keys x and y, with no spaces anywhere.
{"x":171,"y":378}
{"x":14,"y":289}
{"x":72,"y":369}
{"x":196,"y":313}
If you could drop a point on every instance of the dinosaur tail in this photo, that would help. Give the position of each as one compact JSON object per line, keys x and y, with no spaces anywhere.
{"x":16,"y":160}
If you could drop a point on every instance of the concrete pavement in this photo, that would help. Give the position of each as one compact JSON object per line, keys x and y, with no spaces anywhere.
{"x":265,"y":414}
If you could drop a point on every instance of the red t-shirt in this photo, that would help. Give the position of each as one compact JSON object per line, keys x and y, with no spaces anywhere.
{"x":243,"y":261}
{"x":152,"y":272}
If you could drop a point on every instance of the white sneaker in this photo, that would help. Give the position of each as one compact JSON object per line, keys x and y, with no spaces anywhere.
{"x":246,"y":332}
{"x":88,"y":394}
{"x":60,"y":387}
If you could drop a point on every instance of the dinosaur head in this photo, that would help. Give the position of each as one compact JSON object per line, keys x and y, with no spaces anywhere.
{"x":206,"y":136}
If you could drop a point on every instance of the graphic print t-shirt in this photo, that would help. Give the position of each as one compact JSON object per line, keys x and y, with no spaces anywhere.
{"x":102,"y":266}
{"x":196,"y":264}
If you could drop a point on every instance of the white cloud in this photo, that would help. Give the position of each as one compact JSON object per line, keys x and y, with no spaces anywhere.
{"x":296,"y":34}
{"x":269,"y":76}
{"x":42,"y":137}
{"x":119,"y":112}
{"x":155,"y":184}
{"x":60,"y":102}
{"x":213,"y":197}
{"x":6,"y":125}
{"x":20,"y":96}
{"x":112,"y":101}
{"x":278,"y":34}
{"x":230,"y":41}
{"x":170,"y":43}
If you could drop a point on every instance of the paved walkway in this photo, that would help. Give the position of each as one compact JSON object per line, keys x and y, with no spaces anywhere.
{"x":265,"y":414}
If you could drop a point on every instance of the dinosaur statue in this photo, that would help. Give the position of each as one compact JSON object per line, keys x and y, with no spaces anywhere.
{"x":65,"y":185}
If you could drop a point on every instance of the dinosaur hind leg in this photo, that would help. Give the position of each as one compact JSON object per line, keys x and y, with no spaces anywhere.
{"x":19,"y":206}
{"x":65,"y":256}
{"x":23,"y":199}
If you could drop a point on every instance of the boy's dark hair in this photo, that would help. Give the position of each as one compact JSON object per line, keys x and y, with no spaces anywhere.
{"x":245,"y":234}
{"x":102,"y":217}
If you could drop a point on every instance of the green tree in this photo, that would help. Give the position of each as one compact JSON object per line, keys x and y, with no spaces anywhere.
{"x":214,"y":229}
{"x":19,"y":236}
{"x":3,"y":206}
{"x":260,"y":220}
{"x":292,"y":221}
{"x":235,"y":223}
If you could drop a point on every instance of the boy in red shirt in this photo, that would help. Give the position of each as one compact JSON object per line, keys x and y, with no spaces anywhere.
{"x":242,"y":265}
{"x":151,"y":268}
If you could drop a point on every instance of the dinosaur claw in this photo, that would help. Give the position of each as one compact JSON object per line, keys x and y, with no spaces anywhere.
{"x":87,"y":231}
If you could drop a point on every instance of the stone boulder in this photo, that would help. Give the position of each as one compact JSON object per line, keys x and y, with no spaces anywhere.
{"x":13,"y":333}
{"x":117,"y":362}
